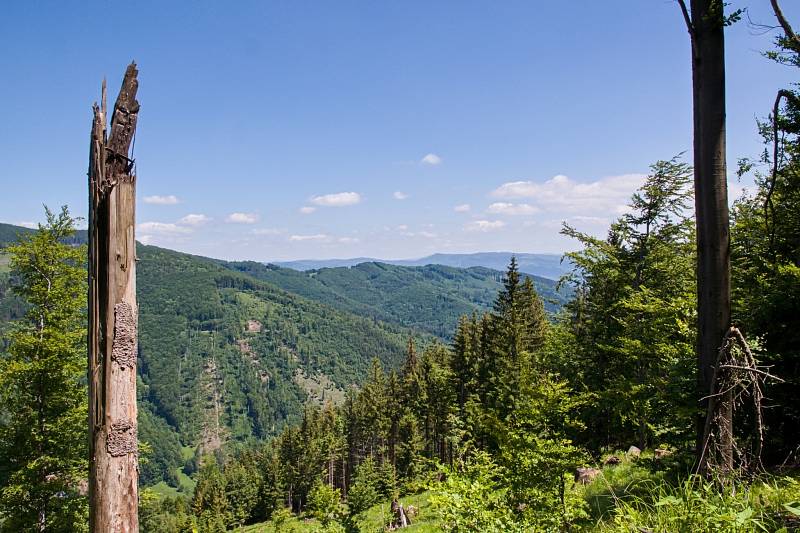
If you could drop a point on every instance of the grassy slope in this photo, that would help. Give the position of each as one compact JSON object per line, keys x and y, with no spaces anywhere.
{"x":646,"y":494}
{"x":372,"y":520}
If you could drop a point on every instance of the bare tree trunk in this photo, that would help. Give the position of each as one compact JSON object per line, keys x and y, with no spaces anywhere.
{"x":706,"y":27}
{"x":112,"y":339}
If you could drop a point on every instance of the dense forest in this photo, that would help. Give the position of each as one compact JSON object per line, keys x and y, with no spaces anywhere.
{"x":495,"y":422}
{"x":226,"y":356}
{"x":374,"y":397}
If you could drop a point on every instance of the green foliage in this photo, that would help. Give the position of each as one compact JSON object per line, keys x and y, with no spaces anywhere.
{"x":633,"y":319}
{"x":473,"y":497}
{"x":165,"y":515}
{"x":43,"y":409}
{"x":364,"y":491}
{"x":241,"y":489}
{"x":201,"y":369}
{"x":537,"y":454}
{"x":765,"y":260}
{"x":210,"y":501}
{"x":696,"y":505}
{"x":427,"y":298}
{"x":324,"y":503}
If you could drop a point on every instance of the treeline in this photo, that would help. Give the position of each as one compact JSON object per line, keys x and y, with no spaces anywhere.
{"x":517,"y":401}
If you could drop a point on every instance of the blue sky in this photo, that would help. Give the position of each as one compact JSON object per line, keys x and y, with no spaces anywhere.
{"x":297,"y":129}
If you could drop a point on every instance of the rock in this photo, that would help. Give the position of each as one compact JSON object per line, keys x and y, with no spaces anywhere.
{"x":660,"y":453}
{"x":613,"y":461}
{"x":586,"y":475}
{"x":633,"y":451}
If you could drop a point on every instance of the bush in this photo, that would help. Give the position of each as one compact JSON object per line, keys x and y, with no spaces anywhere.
{"x":323,"y":503}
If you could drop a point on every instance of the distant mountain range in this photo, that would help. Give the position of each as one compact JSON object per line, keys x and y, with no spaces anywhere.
{"x":542,"y":265}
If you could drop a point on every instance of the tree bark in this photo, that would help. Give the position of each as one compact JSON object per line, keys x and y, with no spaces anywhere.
{"x":706,"y":27}
{"x":113,"y":311}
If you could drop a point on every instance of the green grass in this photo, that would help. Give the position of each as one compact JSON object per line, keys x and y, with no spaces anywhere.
{"x":187,"y":484}
{"x":426,"y":520}
{"x":185,"y":488}
{"x":187,"y":452}
{"x":628,"y":480}
{"x":373,"y":520}
{"x":164,"y":490}
{"x":293,"y":525}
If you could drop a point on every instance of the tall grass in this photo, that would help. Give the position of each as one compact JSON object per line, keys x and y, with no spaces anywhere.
{"x":696,"y":505}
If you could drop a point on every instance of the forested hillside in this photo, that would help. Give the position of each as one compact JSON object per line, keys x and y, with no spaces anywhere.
{"x":429,"y":298}
{"x":232,"y":351}
{"x":225,"y":357}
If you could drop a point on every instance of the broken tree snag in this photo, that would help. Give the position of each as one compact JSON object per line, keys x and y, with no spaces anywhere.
{"x":112,"y":339}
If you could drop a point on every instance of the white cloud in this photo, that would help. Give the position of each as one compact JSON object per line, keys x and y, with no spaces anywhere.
{"x":431,"y":159}
{"x":339,"y":199}
{"x":307,"y":210}
{"x":462,"y":208}
{"x":169,"y":199}
{"x":484,"y":225}
{"x":242,"y":218}
{"x":26,"y":224}
{"x":301,"y":238}
{"x":145,"y":239}
{"x":561,"y":194}
{"x":505,"y":208}
{"x":399,"y":195}
{"x":266,"y":231}
{"x":193,"y":219}
{"x":426,"y":234}
{"x":162,"y":228}
{"x":348,"y":240}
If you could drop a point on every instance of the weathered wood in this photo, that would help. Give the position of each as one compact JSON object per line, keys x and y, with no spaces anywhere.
{"x":113,"y":311}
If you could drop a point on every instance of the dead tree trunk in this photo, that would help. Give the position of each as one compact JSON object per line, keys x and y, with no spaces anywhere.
{"x":706,"y":25}
{"x":113,"y":312}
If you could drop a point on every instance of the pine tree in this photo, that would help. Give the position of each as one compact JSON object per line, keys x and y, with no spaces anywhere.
{"x":43,"y":408}
{"x":210,"y":501}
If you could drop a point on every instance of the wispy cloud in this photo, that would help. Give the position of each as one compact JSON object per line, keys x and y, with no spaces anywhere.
{"x":169,"y":199}
{"x":27,"y":224}
{"x":339,"y":199}
{"x":484,"y":225}
{"x":307,"y":210}
{"x":266,"y":231}
{"x":194,"y":219}
{"x":315,"y":237}
{"x":505,"y":208}
{"x":431,"y":159}
{"x":462,"y":208}
{"x":348,"y":240}
{"x":162,"y":228}
{"x":399,"y":195}
{"x":242,"y":218}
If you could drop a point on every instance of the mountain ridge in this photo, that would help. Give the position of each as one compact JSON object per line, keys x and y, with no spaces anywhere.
{"x":543,"y":265}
